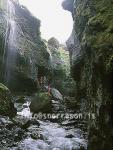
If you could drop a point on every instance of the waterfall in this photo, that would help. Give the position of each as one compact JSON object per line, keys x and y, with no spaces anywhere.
{"x":10,"y":42}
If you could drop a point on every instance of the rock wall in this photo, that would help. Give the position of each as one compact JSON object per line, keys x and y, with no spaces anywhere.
{"x":91,"y":57}
{"x":32,"y":58}
{"x":57,"y":63}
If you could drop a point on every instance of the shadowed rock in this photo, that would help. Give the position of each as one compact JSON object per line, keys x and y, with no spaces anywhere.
{"x":6,"y":104}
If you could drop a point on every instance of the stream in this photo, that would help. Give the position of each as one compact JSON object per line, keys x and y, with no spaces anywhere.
{"x":51,"y":134}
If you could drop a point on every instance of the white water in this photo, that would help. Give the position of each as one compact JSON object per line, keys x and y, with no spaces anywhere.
{"x":54,"y":138}
{"x":54,"y":135}
{"x":10,"y":41}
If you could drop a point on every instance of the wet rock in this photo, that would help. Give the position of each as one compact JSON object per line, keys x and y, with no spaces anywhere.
{"x":71,"y":102}
{"x":25,"y":106}
{"x":56,"y":94}
{"x":10,"y":136}
{"x":30,"y":51}
{"x":34,"y":121}
{"x":69,"y":136}
{"x":21,"y":122}
{"x":20,"y":99}
{"x":18,"y":106}
{"x":34,"y":132}
{"x":24,"y":122}
{"x":6,"y":104}
{"x":6,"y":122}
{"x":82,"y":148}
{"x":91,"y":54}
{"x":41,"y":103}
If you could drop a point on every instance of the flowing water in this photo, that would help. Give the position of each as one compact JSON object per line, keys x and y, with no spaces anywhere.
{"x":51,"y":135}
{"x":55,"y":138}
{"x":10,"y":42}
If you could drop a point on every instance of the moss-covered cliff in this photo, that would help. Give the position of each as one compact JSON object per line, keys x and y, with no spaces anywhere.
{"x":91,"y":57}
{"x":57,"y":63}
{"x":31,"y":53}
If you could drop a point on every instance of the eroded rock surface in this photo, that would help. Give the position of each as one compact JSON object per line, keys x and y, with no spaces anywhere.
{"x":91,"y":57}
{"x":30,"y":57}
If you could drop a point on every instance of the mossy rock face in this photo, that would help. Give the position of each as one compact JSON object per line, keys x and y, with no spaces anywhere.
{"x":30,"y":51}
{"x":91,"y":50}
{"x":41,"y":103}
{"x":6,"y":105}
{"x":91,"y":57}
{"x":56,"y":60}
{"x":59,"y":63}
{"x":3,"y":88}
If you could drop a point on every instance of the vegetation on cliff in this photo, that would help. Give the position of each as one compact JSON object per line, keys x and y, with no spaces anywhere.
{"x":31,"y":54}
{"x":91,"y":50}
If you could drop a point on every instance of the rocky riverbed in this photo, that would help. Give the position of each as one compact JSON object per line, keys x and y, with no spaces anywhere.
{"x":24,"y":132}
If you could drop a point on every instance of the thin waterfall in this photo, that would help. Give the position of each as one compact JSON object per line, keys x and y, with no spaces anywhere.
{"x":10,"y":42}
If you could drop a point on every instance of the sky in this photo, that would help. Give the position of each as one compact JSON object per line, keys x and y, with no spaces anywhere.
{"x":55,"y":22}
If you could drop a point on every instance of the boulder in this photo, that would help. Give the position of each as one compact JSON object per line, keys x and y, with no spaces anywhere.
{"x":56,"y":94}
{"x":24,"y":122}
{"x":41,"y":103}
{"x":6,"y":105}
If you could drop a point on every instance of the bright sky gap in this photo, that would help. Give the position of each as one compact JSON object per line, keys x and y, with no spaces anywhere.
{"x":55,"y":22}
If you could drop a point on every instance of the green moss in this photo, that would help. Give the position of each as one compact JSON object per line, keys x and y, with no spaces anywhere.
{"x":93,"y":28}
{"x":109,"y":66}
{"x":3,"y":88}
{"x":41,"y":103}
{"x":65,"y":59}
{"x":6,"y":105}
{"x":44,"y":95}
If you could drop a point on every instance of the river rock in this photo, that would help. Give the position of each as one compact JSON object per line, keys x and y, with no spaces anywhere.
{"x":10,"y":137}
{"x":25,"y":122}
{"x":6,"y":104}
{"x":56,"y":94}
{"x":41,"y":103}
{"x":6,"y":122}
